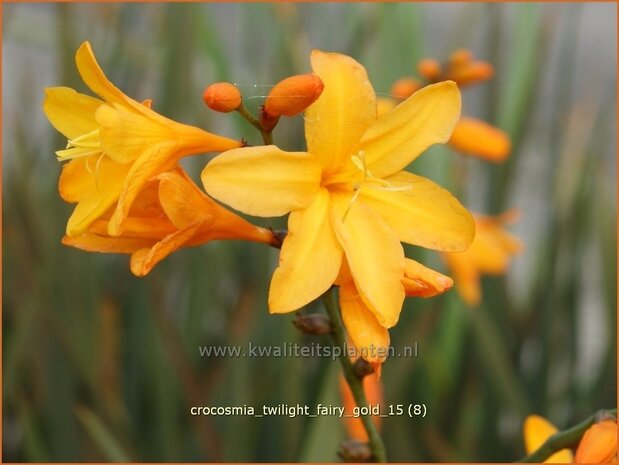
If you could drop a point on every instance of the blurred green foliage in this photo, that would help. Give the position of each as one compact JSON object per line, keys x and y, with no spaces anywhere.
{"x":102,"y":366}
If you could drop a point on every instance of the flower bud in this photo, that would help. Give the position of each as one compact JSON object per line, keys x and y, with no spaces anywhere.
{"x":472,"y":73}
{"x":353,"y":450}
{"x":405,"y":87}
{"x":476,"y":137}
{"x":313,"y":324}
{"x":429,"y":69}
{"x":222,"y":96}
{"x":598,"y":444}
{"x":292,"y":95}
{"x":460,"y":57}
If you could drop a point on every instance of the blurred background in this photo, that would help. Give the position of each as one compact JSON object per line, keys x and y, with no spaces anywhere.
{"x":99,"y":365}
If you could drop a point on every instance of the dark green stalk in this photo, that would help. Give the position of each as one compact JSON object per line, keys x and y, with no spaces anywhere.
{"x":376,"y":442}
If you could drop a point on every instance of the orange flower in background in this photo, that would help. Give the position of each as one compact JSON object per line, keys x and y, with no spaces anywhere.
{"x":115,"y":145}
{"x":489,"y":254}
{"x":598,"y":444}
{"x":373,"y":388}
{"x":349,"y":198}
{"x":470,"y":136}
{"x":536,"y":431}
{"x":476,"y":137}
{"x":170,"y":212}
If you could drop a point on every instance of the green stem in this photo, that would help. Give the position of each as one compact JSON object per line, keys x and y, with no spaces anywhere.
{"x":567,"y":438}
{"x":267,"y":136}
{"x":356,"y":387}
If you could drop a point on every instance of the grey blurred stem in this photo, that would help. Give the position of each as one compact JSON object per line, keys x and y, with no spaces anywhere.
{"x":333,"y":310}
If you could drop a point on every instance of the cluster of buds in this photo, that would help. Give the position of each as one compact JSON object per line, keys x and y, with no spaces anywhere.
{"x":289,"y":97}
{"x":461,"y":68}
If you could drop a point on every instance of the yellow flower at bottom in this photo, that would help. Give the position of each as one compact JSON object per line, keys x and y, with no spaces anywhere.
{"x":490,"y":253}
{"x":170,"y":212}
{"x":115,"y":145}
{"x":348,"y":196}
{"x":598,"y":444}
{"x":536,"y":431}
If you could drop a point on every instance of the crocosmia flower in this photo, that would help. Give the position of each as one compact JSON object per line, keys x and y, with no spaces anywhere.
{"x":115,"y":145}
{"x":536,"y":431}
{"x":170,"y":212}
{"x":349,"y":198}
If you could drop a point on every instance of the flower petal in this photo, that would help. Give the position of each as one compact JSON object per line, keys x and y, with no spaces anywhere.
{"x":263,"y":181}
{"x":156,"y":159}
{"x":374,"y":255}
{"x":71,"y":113}
{"x":425,"y":214}
{"x":143,"y":261}
{"x":310,"y":259}
{"x":95,"y":243}
{"x":369,"y":337}
{"x":536,"y":431}
{"x":427,"y":117}
{"x":181,"y":199}
{"x":75,"y":179}
{"x":105,"y":183}
{"x":95,"y":79}
{"x":465,"y":275}
{"x":335,"y":123}
{"x":421,"y":281}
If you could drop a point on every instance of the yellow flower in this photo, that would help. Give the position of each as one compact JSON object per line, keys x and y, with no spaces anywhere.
{"x":536,"y":431}
{"x":115,"y":145}
{"x":598,"y":444}
{"x":490,"y":253}
{"x":348,"y":197}
{"x":170,"y":212}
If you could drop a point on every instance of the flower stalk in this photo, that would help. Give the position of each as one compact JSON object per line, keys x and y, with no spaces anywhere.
{"x":567,"y":438}
{"x":267,"y":136}
{"x":376,"y":442}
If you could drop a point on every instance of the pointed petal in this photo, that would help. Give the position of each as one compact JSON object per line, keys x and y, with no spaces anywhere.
{"x":374,"y":255}
{"x":369,"y":337}
{"x":126,"y":135}
{"x":420,"y":281}
{"x":71,"y":113}
{"x":95,"y":243}
{"x":103,"y":189}
{"x":143,"y":261}
{"x":536,"y":431}
{"x":310,"y":259}
{"x":157,"y":159}
{"x":263,"y":181}
{"x":424,"y":214}
{"x":75,"y":179}
{"x":335,"y":123}
{"x":182,"y":201}
{"x":427,"y":117}
{"x":95,"y":79}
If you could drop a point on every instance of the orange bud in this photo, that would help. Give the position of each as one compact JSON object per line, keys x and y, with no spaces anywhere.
{"x":460,"y":57}
{"x":405,"y":87}
{"x":222,"y":96}
{"x":429,"y":69}
{"x":473,"y":73}
{"x":476,"y":137}
{"x":598,"y":444}
{"x":292,"y":95}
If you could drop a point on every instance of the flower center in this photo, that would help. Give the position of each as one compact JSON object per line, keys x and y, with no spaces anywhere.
{"x":85,"y":145}
{"x":370,"y":181}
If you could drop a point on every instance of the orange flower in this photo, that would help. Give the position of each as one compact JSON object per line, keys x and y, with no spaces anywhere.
{"x":490,"y":253}
{"x":476,"y":137}
{"x":598,"y":444}
{"x":373,"y":388}
{"x":170,"y":212}
{"x":405,"y":87}
{"x":465,"y":71}
{"x":115,"y":145}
